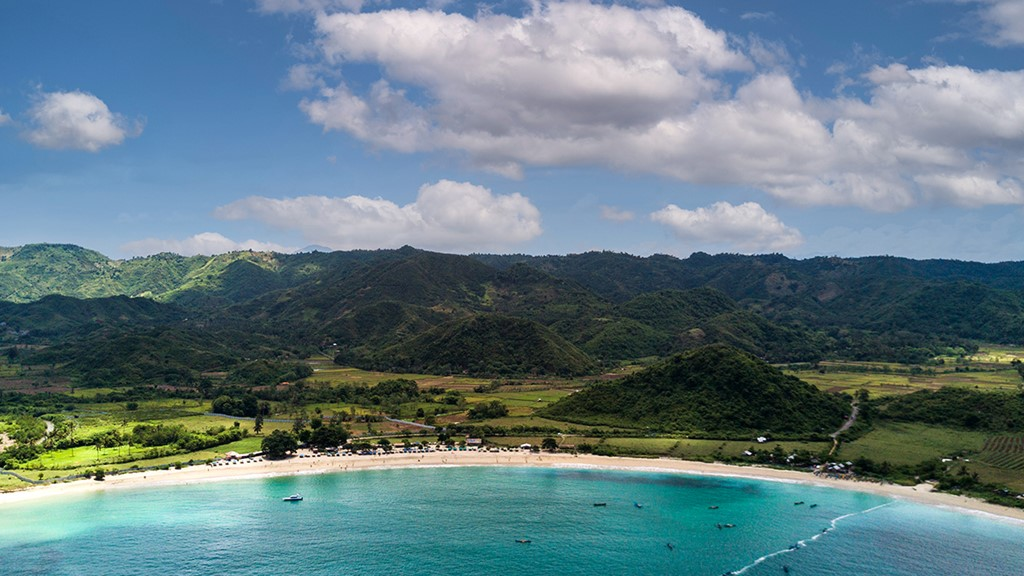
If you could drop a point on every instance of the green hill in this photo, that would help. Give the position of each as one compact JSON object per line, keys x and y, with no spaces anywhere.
{"x":54,"y":318}
{"x":610,"y":307}
{"x":715,"y":390}
{"x":487,"y":345}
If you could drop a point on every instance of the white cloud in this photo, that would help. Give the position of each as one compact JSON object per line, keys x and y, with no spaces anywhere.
{"x":312,"y":6}
{"x":655,"y":90}
{"x":563,"y":76}
{"x":76,"y":120}
{"x":1004,"y":20}
{"x":4,"y":118}
{"x":616,"y":214}
{"x":207,"y":243}
{"x":303,"y":77}
{"x":747,"y":227}
{"x":446,"y":215}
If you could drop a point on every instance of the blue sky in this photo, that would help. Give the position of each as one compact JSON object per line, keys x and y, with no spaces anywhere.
{"x":802,"y":127}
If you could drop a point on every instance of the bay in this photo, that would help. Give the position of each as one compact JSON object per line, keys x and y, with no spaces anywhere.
{"x":441,"y":521}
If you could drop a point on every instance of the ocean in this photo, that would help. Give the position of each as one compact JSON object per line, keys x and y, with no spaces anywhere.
{"x":455,"y":521}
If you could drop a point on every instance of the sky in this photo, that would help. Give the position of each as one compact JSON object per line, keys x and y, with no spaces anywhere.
{"x":802,"y":127}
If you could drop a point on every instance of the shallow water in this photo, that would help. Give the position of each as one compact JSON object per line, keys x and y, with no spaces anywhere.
{"x":467,"y":520}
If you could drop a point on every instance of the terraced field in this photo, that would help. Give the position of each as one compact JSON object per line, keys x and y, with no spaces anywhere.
{"x":1004,"y":452}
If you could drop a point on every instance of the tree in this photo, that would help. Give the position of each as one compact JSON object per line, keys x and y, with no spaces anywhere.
{"x":300,"y":422}
{"x":328,"y":436}
{"x":492,"y":409}
{"x":257,"y":424}
{"x":278,"y":444}
{"x":549,"y":444}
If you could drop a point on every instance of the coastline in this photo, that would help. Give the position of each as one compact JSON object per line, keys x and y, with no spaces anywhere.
{"x":920,"y":494}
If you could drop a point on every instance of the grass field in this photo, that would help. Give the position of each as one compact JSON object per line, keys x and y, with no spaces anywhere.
{"x":1012,"y":479}
{"x":995,"y":354}
{"x":879,"y":384}
{"x":8,"y":483}
{"x":327,"y":371}
{"x":900,"y":443}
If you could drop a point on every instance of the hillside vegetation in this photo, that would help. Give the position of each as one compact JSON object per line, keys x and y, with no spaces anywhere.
{"x":711,"y":390}
{"x":600,"y":308}
{"x":486,"y":345}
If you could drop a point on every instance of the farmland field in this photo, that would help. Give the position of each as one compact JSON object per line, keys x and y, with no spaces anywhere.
{"x":1005,"y":452}
{"x":904,"y":443}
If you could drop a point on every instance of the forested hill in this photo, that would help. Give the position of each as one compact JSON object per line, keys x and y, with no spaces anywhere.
{"x":602,"y":308}
{"x":711,"y":390}
{"x":619,"y":276}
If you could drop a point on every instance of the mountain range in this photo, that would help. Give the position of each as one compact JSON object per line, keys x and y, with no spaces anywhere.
{"x":409,"y":309}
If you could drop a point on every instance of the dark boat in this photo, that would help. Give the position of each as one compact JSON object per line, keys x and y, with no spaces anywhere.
{"x":712,"y":507}
{"x":785,"y":568}
{"x":293,"y":498}
{"x":794,"y":546}
{"x":638,"y":505}
{"x":523,"y":541}
{"x":798,"y":503}
{"x":669,"y":546}
{"x":600,"y":503}
{"x":813,"y":506}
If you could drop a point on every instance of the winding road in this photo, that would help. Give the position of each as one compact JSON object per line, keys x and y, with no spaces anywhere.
{"x":855,"y":409}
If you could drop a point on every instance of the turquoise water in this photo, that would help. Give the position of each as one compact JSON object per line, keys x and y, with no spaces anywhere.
{"x":448,"y":521}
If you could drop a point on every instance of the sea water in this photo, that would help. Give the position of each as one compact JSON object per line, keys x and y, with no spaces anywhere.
{"x":453,"y":521}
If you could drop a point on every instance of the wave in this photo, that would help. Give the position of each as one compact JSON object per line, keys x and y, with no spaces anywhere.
{"x":807,"y":541}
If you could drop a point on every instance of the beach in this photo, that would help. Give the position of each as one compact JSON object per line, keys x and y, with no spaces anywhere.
{"x":321,"y":464}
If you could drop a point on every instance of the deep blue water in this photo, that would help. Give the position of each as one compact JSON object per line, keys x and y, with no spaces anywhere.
{"x":453,"y":521}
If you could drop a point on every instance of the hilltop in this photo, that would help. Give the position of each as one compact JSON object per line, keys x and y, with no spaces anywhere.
{"x":711,"y":390}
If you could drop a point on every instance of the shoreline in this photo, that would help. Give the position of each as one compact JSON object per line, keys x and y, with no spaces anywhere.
{"x":295,"y":466}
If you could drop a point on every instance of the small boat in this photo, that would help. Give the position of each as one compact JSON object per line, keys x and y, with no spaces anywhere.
{"x":813,"y":506}
{"x":638,"y":505}
{"x":728,"y":525}
{"x":600,"y":503}
{"x":712,"y":507}
{"x":523,"y":541}
{"x":293,"y":498}
{"x":794,"y":546}
{"x":798,"y":503}
{"x":785,"y":568}
{"x":670,"y":546}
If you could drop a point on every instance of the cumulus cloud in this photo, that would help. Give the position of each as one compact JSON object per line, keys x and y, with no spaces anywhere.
{"x":616,"y":214}
{"x":655,"y":90}
{"x":747,"y":227}
{"x":447,"y":215}
{"x":76,"y":120}
{"x":207,"y":243}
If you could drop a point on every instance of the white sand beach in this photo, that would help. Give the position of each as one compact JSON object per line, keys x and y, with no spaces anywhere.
{"x":312,"y":464}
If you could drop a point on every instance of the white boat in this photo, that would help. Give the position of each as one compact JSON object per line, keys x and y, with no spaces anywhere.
{"x":293,"y":498}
